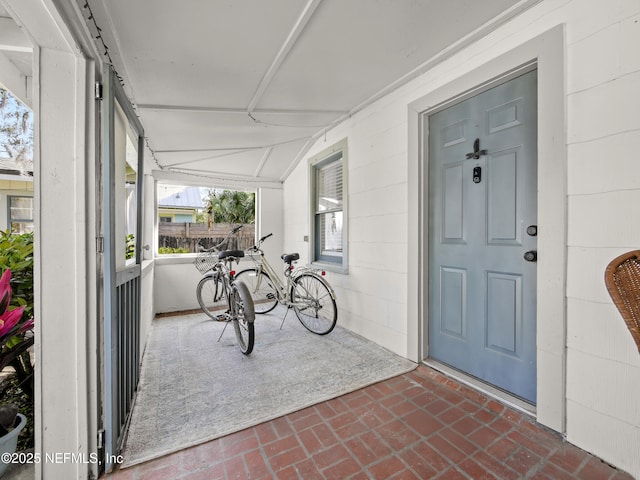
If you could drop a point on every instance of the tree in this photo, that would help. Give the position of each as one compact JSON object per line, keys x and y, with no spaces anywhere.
{"x":16,"y":130}
{"x":231,"y":206}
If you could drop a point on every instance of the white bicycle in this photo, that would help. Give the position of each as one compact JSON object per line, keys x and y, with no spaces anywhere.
{"x":303,"y":289}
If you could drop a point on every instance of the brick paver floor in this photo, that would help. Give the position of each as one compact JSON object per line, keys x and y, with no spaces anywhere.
{"x":416,"y":426}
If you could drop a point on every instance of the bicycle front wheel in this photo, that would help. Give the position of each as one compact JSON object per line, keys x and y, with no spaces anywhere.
{"x":261,"y":288}
{"x":210,"y":295}
{"x":314,"y":303}
{"x":242,"y":315}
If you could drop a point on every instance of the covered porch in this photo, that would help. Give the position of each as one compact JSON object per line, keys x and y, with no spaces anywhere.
{"x":266,"y":97}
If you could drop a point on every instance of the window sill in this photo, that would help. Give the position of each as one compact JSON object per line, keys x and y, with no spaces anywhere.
{"x":330,"y":267}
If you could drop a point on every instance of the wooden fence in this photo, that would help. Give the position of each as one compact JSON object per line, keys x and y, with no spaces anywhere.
{"x":190,"y":235}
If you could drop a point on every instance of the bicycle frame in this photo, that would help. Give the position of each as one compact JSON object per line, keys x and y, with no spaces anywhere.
{"x":304,"y":290}
{"x":221,"y":270}
{"x":283,"y":290}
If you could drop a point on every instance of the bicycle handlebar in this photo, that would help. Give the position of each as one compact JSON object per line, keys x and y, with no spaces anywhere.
{"x":256,"y":247}
{"x":264,"y":238}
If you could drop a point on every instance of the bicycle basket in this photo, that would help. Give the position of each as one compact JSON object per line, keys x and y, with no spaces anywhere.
{"x":205,"y":261}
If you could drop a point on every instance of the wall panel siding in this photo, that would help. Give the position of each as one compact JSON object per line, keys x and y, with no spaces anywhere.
{"x":603,"y":132}
{"x":604,"y":165}
{"x":603,"y":110}
{"x":606,"y":375}
{"x":587,"y":319}
{"x":611,"y":230}
{"x":603,"y":186}
{"x":609,"y":436}
{"x":592,"y":61}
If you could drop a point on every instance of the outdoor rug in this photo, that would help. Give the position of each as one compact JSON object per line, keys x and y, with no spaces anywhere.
{"x":194,"y":389}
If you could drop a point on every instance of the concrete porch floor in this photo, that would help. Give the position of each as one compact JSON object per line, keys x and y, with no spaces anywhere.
{"x":415,"y":426}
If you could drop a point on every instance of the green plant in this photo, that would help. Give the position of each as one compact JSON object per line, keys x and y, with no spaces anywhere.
{"x":16,"y":258}
{"x":231,"y":206}
{"x":16,"y":254}
{"x":16,"y":336}
{"x":170,"y":250}
{"x":15,"y":327}
{"x":130,"y":246}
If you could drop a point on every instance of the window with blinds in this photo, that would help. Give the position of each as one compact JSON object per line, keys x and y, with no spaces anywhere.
{"x":328,"y":208}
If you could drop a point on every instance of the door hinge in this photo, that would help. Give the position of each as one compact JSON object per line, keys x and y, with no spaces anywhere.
{"x":101,"y":446}
{"x":100,"y":244}
{"x":98,"y":91}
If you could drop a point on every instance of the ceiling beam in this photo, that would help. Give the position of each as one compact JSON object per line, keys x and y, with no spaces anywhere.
{"x":299,"y":26}
{"x":235,"y":149}
{"x":209,"y":157}
{"x":16,"y":81}
{"x":207,"y":178}
{"x":12,"y":38}
{"x":263,"y":161}
{"x":236,"y":111}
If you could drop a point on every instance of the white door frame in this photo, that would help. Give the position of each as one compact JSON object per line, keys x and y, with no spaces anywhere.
{"x":547,"y":52}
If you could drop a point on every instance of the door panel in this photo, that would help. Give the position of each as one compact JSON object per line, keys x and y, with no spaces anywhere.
{"x":504,"y":301}
{"x":452,"y":206}
{"x":482,"y":317}
{"x":454,"y":301}
{"x":502,"y":205}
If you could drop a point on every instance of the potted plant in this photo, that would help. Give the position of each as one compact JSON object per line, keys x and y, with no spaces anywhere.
{"x":16,"y":336}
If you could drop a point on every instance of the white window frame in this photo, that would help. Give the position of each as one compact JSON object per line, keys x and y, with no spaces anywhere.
{"x":11,"y":220}
{"x":315,"y":163}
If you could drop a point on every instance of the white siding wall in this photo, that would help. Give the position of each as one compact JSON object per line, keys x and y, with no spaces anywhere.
{"x":603,"y":186}
{"x":371,"y":297}
{"x":603,"y":100}
{"x":175,"y":282}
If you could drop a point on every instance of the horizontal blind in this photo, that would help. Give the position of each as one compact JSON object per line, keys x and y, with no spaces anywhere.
{"x":329,"y":187}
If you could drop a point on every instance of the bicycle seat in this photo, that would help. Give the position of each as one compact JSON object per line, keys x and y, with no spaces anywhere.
{"x":290,"y":257}
{"x":231,"y":253}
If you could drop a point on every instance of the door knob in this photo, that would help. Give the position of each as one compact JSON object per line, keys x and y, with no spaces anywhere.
{"x":531,"y":256}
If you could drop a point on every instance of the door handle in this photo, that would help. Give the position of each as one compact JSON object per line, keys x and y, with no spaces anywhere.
{"x":531,"y":256}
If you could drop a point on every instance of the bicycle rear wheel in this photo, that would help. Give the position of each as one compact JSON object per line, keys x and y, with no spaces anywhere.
{"x":261,"y":288}
{"x":314,"y":303}
{"x":210,"y":295}
{"x":242,"y":315}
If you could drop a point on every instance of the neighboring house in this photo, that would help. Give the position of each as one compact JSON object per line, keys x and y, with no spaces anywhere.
{"x":583,"y":54}
{"x":16,"y":197}
{"x":179,"y":204}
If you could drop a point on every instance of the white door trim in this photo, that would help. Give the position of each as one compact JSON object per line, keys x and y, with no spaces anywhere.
{"x":547,"y":52}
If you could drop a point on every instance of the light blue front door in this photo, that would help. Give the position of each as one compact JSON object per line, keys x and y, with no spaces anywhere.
{"x":482,"y":225}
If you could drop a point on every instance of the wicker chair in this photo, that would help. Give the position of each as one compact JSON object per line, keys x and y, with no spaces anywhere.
{"x":622,"y":278}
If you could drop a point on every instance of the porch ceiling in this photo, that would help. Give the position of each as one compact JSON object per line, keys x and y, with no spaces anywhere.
{"x":240,"y":89}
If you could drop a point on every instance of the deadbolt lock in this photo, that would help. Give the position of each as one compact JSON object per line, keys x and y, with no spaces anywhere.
{"x":531,"y":256}
{"x":532,"y":230}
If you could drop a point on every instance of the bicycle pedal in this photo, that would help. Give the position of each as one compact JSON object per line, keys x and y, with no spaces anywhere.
{"x":222,"y":318}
